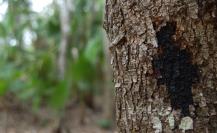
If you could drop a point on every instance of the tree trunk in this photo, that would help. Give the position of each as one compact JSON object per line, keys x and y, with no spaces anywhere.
{"x":65,"y":33}
{"x":164,"y":61}
{"x":108,"y":107}
{"x":65,"y":8}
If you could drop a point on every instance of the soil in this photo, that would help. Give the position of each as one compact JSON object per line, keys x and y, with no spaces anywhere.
{"x":15,"y":120}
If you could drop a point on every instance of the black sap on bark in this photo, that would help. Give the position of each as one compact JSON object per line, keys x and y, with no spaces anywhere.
{"x":173,"y":67}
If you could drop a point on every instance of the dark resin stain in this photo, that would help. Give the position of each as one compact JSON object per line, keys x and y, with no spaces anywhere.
{"x":173,"y":67}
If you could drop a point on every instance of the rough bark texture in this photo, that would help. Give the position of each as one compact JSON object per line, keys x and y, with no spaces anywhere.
{"x":141,"y":105}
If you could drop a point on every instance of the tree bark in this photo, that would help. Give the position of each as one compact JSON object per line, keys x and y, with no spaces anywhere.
{"x":143,"y":106}
{"x":65,"y":33}
{"x":108,"y":107}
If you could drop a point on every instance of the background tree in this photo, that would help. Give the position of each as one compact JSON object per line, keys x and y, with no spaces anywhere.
{"x":53,"y":60}
{"x":64,"y":7}
{"x":156,"y":48}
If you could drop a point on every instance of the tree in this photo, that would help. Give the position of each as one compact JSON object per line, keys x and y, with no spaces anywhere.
{"x":108,"y":107}
{"x":65,"y":30}
{"x":15,"y":24}
{"x":164,"y":61}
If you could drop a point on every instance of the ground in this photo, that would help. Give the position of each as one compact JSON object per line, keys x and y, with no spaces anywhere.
{"x":16,"y":120}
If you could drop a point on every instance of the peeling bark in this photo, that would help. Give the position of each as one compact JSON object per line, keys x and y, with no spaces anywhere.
{"x":141,"y":105}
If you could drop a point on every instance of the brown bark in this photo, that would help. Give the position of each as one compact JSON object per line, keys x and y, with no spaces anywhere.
{"x":142,"y":106}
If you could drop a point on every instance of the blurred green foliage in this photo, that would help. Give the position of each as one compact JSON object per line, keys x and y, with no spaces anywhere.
{"x":105,"y":123}
{"x":29,"y":71}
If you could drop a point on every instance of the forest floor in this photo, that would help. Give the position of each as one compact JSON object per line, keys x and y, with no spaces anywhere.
{"x":15,"y":120}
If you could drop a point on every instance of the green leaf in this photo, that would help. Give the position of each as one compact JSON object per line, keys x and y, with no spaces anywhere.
{"x":3,"y":87}
{"x":93,"y":49}
{"x":60,"y":95}
{"x":3,"y":32}
{"x":17,"y":86}
{"x":104,"y":123}
{"x":7,"y":71}
{"x":36,"y":102}
{"x":82,"y":69}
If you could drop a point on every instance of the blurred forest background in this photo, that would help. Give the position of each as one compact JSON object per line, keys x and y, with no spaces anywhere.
{"x":55,"y":74}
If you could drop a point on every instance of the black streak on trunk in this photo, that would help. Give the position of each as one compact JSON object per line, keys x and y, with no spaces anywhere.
{"x":173,"y":67}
